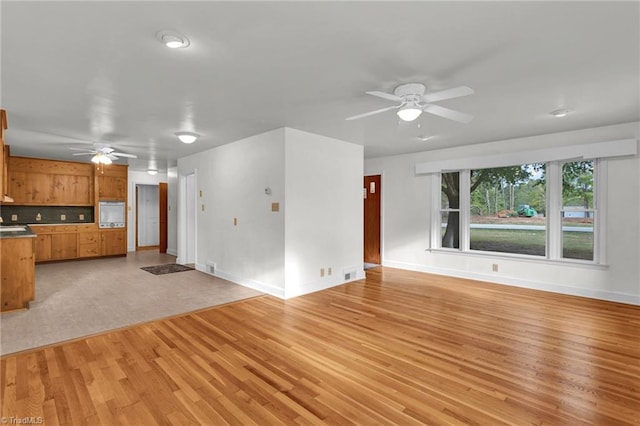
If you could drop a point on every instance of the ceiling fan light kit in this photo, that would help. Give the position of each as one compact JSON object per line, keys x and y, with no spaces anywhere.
{"x":187,"y":137}
{"x":414,"y":101}
{"x":102,"y":154}
{"x":409,"y":112}
{"x":101,"y":158}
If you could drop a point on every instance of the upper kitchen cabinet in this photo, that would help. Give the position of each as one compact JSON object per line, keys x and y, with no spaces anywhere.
{"x":4,"y":155}
{"x":112,"y":182}
{"x":34,"y":181}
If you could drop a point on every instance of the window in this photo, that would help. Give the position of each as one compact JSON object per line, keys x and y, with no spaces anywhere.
{"x":450,"y":210}
{"x":578,"y":212}
{"x":543,"y":210}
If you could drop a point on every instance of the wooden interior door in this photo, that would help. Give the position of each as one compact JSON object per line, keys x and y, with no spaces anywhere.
{"x":163,"y":206}
{"x":372,"y":196}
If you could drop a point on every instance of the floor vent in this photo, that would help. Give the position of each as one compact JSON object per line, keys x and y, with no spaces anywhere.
{"x":349,"y":274}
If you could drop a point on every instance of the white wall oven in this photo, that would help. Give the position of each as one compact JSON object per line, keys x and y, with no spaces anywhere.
{"x":112,"y":214}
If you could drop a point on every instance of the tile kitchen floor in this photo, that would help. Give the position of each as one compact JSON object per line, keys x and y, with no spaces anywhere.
{"x":81,"y":298}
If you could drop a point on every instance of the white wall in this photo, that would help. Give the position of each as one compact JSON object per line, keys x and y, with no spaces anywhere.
{"x":406,"y":216}
{"x":233,"y":178}
{"x":323,"y":212}
{"x":317,"y":182}
{"x":138,"y":178}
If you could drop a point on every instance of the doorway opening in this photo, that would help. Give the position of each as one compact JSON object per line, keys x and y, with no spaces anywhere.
{"x":372,"y":194}
{"x":187,"y":218}
{"x":147,"y":217}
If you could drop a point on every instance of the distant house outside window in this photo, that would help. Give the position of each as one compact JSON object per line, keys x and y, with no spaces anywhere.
{"x":542,"y":210}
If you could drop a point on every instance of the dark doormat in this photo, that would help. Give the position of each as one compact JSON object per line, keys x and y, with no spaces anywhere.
{"x":166,"y":269}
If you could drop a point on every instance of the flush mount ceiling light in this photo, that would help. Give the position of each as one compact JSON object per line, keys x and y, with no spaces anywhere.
{"x":409,"y":112}
{"x":187,"y":137}
{"x":101,"y":158}
{"x":152,"y":172}
{"x":173,"y":39}
{"x":559,"y":113}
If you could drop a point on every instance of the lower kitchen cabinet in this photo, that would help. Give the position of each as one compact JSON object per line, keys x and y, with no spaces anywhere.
{"x":113,"y":242}
{"x":64,"y":246}
{"x":89,"y":244}
{"x":43,"y":247}
{"x":18,"y":273}
{"x":63,"y":242}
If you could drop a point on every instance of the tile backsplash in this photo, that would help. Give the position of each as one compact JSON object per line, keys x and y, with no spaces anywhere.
{"x":23,"y":215}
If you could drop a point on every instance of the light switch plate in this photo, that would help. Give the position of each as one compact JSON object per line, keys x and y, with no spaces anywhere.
{"x":14,"y":217}
{"x":63,"y":217}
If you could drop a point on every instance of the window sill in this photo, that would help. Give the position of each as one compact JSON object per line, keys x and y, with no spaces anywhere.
{"x":521,"y":258}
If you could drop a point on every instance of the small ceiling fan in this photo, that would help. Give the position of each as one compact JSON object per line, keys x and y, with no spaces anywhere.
{"x":102,"y":154}
{"x":414,"y":101}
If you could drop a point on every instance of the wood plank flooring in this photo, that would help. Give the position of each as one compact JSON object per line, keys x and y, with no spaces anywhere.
{"x":397,"y":348}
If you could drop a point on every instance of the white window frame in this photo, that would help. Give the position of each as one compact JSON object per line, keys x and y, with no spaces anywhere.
{"x":554,"y":210}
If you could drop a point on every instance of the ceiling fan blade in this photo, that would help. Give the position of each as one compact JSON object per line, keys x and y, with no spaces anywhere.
{"x":455,"y":92}
{"x":83,"y":153}
{"x":385,"y":95}
{"x":378,"y":111}
{"x":78,"y":149}
{"x":448,"y":113}
{"x":123,"y":154}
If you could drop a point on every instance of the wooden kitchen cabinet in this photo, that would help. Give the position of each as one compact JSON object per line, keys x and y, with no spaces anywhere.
{"x":89,"y":241}
{"x":36,"y":181}
{"x":4,"y":160}
{"x":113,"y":242}
{"x":112,"y":183}
{"x":43,"y":247}
{"x":64,"y":246}
{"x":55,"y":242}
{"x":18,"y":273}
{"x":58,"y":242}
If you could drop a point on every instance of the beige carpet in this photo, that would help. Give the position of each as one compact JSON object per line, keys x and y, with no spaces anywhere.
{"x":80,"y":298}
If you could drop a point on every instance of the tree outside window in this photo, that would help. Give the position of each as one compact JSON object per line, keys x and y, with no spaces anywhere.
{"x":504,"y":210}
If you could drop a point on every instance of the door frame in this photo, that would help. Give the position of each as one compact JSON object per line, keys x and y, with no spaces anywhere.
{"x":382,"y":197}
{"x":136,"y":206}
{"x":184,"y":214}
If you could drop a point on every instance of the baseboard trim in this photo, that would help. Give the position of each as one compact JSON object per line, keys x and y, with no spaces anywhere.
{"x":327,"y":282}
{"x":610,"y":296}
{"x":253,"y":284}
{"x":279,"y":292}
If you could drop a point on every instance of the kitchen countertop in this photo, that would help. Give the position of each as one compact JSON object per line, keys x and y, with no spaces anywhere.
{"x":26,"y":233}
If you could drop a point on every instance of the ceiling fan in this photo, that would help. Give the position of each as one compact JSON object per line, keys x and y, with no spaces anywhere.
{"x":102,"y":154}
{"x":414,"y":101}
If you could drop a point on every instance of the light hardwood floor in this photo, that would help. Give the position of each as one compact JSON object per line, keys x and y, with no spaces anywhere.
{"x":396,"y":348}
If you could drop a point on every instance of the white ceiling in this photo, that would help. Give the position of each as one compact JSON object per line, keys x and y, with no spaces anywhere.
{"x":78,"y":72}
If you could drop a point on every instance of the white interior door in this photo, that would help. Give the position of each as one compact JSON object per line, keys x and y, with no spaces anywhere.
{"x":148,"y":215}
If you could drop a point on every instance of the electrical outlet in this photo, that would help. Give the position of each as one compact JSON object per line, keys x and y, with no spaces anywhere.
{"x":322,"y":272}
{"x":235,"y":221}
{"x":329,"y":271}
{"x":14,"y":217}
{"x":80,"y":216}
{"x":63,"y":217}
{"x":494,"y":267}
